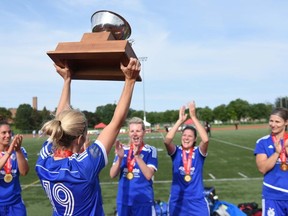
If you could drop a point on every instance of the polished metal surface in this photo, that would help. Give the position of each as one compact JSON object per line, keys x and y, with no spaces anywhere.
{"x":105,"y":20}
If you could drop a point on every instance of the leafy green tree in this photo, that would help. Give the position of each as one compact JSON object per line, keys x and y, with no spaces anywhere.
{"x":23,"y":119}
{"x":138,"y":113}
{"x":5,"y":114}
{"x":220,"y":113}
{"x":46,"y":115}
{"x":92,"y":118}
{"x":205,"y":114}
{"x":260,"y":111}
{"x":238,"y":109}
{"x":36,"y":119}
{"x":170,"y":116}
{"x":152,"y":117}
{"x":105,"y":113}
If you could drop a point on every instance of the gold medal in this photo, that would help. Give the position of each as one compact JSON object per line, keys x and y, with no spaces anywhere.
{"x":284,"y":167}
{"x":8,"y":178}
{"x":129,"y":175}
{"x":187,"y":178}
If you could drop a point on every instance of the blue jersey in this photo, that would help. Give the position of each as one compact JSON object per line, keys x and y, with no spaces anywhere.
{"x":275,"y":181}
{"x":180,"y":188}
{"x":138,"y":190}
{"x":72,"y":184}
{"x":10,"y":193}
{"x":187,"y":198}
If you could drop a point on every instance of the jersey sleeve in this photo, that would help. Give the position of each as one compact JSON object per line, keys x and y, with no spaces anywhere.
{"x":153,"y":158}
{"x":24,"y":153}
{"x":93,"y":160}
{"x":46,"y":149}
{"x":260,"y":146}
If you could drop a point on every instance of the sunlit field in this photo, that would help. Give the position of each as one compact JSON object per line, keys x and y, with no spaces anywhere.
{"x":229,"y":168}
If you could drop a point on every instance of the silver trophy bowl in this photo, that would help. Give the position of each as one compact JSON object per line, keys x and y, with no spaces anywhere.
{"x":105,"y":20}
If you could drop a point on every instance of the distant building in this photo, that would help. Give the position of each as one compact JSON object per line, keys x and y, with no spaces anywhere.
{"x":14,"y":110}
{"x":35,"y":103}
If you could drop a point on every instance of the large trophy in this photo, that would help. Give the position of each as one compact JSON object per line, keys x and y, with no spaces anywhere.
{"x":98,"y":55}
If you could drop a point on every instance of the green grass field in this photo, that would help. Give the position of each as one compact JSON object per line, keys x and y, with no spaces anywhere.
{"x":230,"y":168}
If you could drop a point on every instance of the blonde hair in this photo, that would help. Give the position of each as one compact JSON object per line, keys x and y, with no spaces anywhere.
{"x":136,"y":120}
{"x":65,"y":127}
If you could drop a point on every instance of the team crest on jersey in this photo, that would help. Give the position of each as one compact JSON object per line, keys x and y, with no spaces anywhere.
{"x":182,"y":170}
{"x":271,"y":212}
{"x":13,"y":157}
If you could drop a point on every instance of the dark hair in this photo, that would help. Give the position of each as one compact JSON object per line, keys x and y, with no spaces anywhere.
{"x":3,"y":122}
{"x":281,"y":112}
{"x":189,"y":127}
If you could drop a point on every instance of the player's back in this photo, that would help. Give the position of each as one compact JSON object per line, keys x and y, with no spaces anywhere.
{"x":72,"y":184}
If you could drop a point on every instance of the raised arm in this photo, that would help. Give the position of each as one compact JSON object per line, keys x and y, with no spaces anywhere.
{"x":109,"y":134}
{"x":64,"y":102}
{"x":21,"y":160}
{"x":171,"y":133}
{"x":115,"y":168}
{"x":201,"y":130}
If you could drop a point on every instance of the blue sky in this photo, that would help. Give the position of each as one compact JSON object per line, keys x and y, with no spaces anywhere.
{"x":209,"y":51}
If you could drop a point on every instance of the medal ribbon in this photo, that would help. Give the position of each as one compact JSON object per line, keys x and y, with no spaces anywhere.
{"x":62,"y":153}
{"x":187,"y":163}
{"x":7,"y":166}
{"x":283,"y":151}
{"x":130,"y":160}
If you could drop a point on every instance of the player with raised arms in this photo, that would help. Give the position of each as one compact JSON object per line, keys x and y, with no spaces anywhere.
{"x":67,"y":168}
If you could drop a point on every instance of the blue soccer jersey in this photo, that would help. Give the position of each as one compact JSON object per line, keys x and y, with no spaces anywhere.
{"x":10,"y":192}
{"x":275,"y":181}
{"x":72,"y":184}
{"x":194,"y":188}
{"x":187,"y":197}
{"x":138,"y":190}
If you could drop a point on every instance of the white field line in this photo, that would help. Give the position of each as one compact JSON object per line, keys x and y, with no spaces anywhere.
{"x":33,"y":184}
{"x":233,"y":144}
{"x":212,"y":176}
{"x":241,"y":174}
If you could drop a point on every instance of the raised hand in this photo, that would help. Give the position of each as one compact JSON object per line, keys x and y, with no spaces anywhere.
{"x":16,"y":143}
{"x":119,"y":149}
{"x":132,"y":70}
{"x":192,"y":109}
{"x":65,"y":72}
{"x":182,"y":115}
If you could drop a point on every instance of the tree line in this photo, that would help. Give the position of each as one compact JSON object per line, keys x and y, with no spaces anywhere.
{"x":28,"y":119}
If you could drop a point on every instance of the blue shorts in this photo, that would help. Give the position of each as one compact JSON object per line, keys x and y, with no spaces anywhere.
{"x":135,"y":210}
{"x":17,"y":209}
{"x":274,"y":207}
{"x":188,"y":207}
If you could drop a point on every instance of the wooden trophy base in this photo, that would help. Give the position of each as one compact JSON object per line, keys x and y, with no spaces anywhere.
{"x":96,"y":57}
